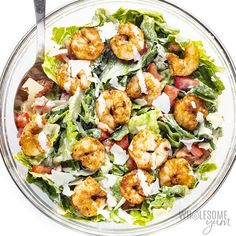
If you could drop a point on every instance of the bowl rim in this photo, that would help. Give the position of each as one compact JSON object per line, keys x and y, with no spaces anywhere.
{"x":29,"y":34}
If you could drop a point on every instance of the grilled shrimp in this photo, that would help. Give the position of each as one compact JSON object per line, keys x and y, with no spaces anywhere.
{"x":187,"y":109}
{"x":86,"y":44}
{"x":152,"y":84}
{"x":70,"y":84}
{"x":88,"y":197}
{"x":90,"y":152}
{"x":128,"y":42}
{"x":113,"y":108}
{"x":176,"y":172}
{"x":186,"y":66}
{"x":148,"y":151}
{"x":29,"y":140}
{"x":131,"y":189}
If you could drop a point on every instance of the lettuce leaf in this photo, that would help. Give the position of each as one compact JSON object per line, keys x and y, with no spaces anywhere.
{"x":205,"y":168}
{"x":45,"y":184}
{"x":28,"y":161}
{"x":175,"y":191}
{"x":149,"y":120}
{"x":207,"y":71}
{"x":50,"y":66}
{"x":59,"y":35}
{"x":120,"y":133}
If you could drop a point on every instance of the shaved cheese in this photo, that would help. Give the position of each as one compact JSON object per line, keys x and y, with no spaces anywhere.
{"x":205,"y":146}
{"x":60,"y":178}
{"x":66,"y":190}
{"x":96,"y":92}
{"x":54,"y":52}
{"x":67,"y":85}
{"x":115,"y":84}
{"x":103,"y":212}
{"x":39,"y":121}
{"x":107,"y":31}
{"x":101,"y":104}
{"x":148,"y":190}
{"x":120,"y":203}
{"x":43,"y":141}
{"x":189,"y":142}
{"x":137,"y":35}
{"x":125,"y":216}
{"x":75,"y":66}
{"x":162,"y":103}
{"x":200,"y":117}
{"x":136,"y":54}
{"x":120,"y":156}
{"x":161,"y":58}
{"x":141,"y":101}
{"x":216,"y":119}
{"x":141,"y":81}
{"x":193,"y":105}
{"x":33,"y":88}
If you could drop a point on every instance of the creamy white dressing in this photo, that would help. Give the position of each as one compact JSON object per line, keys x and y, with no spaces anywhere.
{"x":189,"y":142}
{"x":39,"y":121}
{"x":137,"y":56}
{"x":200,"y":117}
{"x":193,"y":104}
{"x":67,"y":85}
{"x":54,"y":52}
{"x":43,"y":141}
{"x":75,"y":66}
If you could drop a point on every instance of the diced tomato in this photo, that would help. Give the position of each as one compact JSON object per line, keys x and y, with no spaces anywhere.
{"x":41,"y":169}
{"x":196,"y":151}
{"x":152,"y":68}
{"x":124,"y":142}
{"x":131,"y":164}
{"x":185,"y":83}
{"x":22,"y":119}
{"x":105,"y":135}
{"x":172,"y":93}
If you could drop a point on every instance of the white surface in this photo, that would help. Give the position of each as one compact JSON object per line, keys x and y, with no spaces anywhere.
{"x":18,"y":215}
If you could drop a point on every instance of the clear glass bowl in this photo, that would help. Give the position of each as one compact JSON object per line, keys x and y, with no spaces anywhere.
{"x":80,"y":12}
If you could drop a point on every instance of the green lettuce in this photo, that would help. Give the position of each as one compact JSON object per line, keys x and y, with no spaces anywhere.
{"x":176,"y":190}
{"x":205,"y":168}
{"x":50,"y":66}
{"x":45,"y":184}
{"x":120,"y":133}
{"x":28,"y":161}
{"x":59,"y":35}
{"x":149,"y":120}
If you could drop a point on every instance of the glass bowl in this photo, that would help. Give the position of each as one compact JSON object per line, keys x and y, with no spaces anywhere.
{"x":78,"y":13}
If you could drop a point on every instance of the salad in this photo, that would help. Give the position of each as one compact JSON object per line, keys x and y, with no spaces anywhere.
{"x":125,"y":120}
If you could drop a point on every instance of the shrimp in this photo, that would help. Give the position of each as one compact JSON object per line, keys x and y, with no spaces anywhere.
{"x":176,"y":172}
{"x":128,"y":42}
{"x":86,"y":44}
{"x":131,"y":189}
{"x":153,"y":86}
{"x":186,"y":66}
{"x":113,"y":108}
{"x":88,"y":197}
{"x":70,"y":84}
{"x":187,"y":109}
{"x":29,"y":140}
{"x":148,"y":151}
{"x":90,"y":152}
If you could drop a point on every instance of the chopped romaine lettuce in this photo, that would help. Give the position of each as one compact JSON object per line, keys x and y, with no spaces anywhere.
{"x":120,"y":133}
{"x":59,"y":35}
{"x":28,"y":161}
{"x":50,"y":66}
{"x":205,"y":168}
{"x":147,"y":121}
{"x":45,"y":184}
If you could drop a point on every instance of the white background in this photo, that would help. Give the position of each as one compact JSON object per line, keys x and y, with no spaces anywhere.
{"x":20,"y":217}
